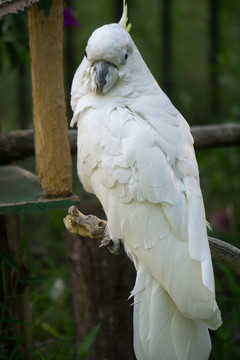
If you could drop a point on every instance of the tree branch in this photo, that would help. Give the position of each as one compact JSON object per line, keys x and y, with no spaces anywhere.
{"x":216,"y":135}
{"x":225,"y":254}
{"x":13,"y":7}
{"x":19,"y":144}
{"x":92,"y":227}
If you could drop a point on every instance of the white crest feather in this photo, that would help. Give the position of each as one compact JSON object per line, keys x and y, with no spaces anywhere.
{"x":124,"y":19}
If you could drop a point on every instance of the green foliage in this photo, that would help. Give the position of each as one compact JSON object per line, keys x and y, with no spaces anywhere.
{"x":13,"y":41}
{"x":86,"y":345}
{"x":53,"y":327}
{"x":226,"y":340}
{"x":6,"y":260}
{"x":219,"y":174}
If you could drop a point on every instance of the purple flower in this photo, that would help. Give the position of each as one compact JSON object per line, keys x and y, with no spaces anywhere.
{"x":236,"y":332}
{"x":69,"y":19}
{"x":220,"y":221}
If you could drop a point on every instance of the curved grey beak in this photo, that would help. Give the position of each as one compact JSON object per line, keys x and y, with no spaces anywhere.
{"x":101,"y":69}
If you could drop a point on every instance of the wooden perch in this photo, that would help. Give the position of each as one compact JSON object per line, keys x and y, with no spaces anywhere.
{"x":19,"y":144}
{"x":87,"y":226}
{"x":207,"y":136}
{"x":92,"y":227}
{"x":225,"y":254}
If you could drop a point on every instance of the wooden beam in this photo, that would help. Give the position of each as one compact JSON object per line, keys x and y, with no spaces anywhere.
{"x":17,"y":145}
{"x":216,"y":135}
{"x":52,"y":148}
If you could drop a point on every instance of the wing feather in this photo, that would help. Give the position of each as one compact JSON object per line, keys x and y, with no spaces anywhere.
{"x":160,"y":188}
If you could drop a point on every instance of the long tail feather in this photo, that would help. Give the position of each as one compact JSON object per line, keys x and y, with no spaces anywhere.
{"x":161,"y":332}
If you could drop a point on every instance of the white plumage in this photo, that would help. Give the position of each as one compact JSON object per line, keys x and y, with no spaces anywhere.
{"x":135,"y":152}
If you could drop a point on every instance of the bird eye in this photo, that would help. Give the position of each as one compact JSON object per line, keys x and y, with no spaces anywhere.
{"x":85,"y":53}
{"x":124,"y":57}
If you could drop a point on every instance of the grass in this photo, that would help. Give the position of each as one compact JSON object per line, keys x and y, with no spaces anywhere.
{"x":50,"y":294}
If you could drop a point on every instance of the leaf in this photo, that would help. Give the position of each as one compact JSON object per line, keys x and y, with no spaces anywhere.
{"x":50,"y":329}
{"x":4,"y":307}
{"x":8,"y":261}
{"x":4,"y":279}
{"x":84,"y":354}
{"x":16,"y":321}
{"x":87,"y":343}
{"x":32,"y":279}
{"x":37,"y":348}
{"x":40,"y":355}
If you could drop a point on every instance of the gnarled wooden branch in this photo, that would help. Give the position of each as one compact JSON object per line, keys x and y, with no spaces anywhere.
{"x":85,"y":225}
{"x":92,"y":227}
{"x":225,"y":254}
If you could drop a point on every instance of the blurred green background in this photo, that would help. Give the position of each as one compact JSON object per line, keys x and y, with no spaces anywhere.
{"x":202,"y":79}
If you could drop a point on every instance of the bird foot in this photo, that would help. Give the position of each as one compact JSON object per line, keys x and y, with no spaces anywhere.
{"x":90,"y":226}
{"x":114,"y":246}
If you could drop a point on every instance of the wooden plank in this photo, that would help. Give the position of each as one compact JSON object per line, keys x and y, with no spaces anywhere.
{"x":52,"y":149}
{"x":20,"y":191}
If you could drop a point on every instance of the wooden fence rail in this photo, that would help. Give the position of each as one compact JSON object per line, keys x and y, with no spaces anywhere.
{"x":19,"y":144}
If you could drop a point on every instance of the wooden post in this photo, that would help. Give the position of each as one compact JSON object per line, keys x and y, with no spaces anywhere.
{"x":101,"y":284}
{"x":52,"y":148}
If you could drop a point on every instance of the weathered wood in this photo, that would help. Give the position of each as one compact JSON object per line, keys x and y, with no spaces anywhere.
{"x":19,"y":144}
{"x":208,"y":136}
{"x":225,"y":254}
{"x":87,"y":226}
{"x":52,"y":148}
{"x":16,"y":145}
{"x":8,"y":7}
{"x":90,"y":225}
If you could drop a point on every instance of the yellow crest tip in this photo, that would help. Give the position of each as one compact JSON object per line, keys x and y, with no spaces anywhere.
{"x":124,"y":19}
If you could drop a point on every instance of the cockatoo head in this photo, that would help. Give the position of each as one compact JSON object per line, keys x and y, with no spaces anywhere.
{"x":108,"y":53}
{"x":112,"y":64}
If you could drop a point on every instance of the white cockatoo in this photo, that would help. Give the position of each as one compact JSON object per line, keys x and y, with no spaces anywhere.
{"x":135,"y":153}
